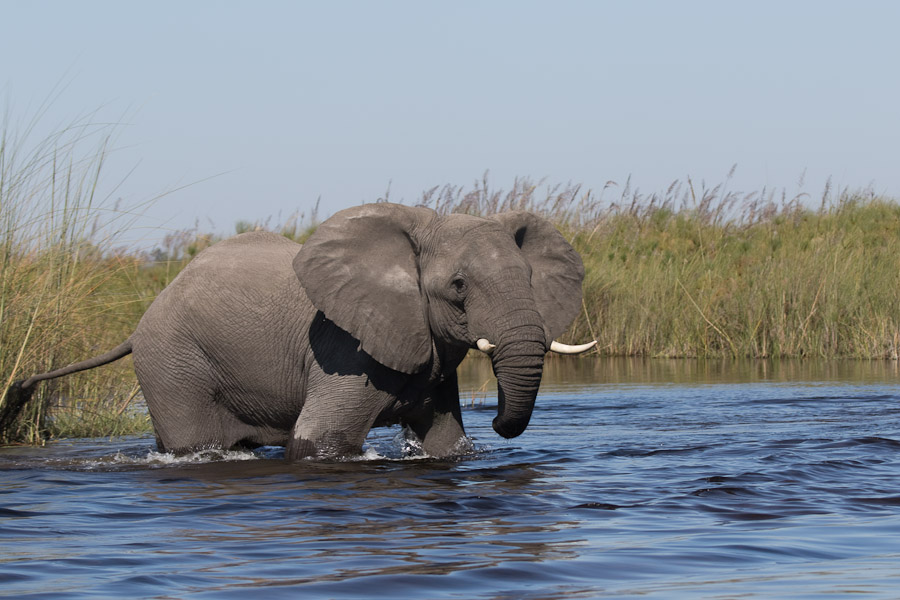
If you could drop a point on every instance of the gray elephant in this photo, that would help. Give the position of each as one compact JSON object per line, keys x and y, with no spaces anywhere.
{"x":262,"y":341}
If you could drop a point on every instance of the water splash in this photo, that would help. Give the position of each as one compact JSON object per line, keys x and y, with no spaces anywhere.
{"x":153,"y":458}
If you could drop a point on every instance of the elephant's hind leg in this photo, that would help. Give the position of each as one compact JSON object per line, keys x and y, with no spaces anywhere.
{"x":185,"y":410}
{"x":190,"y":420}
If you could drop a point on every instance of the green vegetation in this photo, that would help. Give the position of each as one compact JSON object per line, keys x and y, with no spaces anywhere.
{"x":64,"y":290}
{"x":687,"y":273}
{"x":707,"y":273}
{"x":790,"y":282}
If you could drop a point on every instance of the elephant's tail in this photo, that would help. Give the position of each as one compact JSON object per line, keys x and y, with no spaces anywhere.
{"x":19,"y":393}
{"x":123,"y":349}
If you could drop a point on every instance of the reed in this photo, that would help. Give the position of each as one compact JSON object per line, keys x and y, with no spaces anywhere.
{"x":694,"y":271}
{"x":64,"y":291}
{"x":711,"y":273}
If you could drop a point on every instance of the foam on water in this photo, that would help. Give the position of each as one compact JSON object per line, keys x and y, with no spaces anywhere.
{"x":403,"y":445}
{"x":163,"y":459}
{"x":393,"y":444}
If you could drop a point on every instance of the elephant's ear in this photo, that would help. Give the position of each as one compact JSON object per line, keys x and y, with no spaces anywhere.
{"x":557,"y":270}
{"x":360,"y":268}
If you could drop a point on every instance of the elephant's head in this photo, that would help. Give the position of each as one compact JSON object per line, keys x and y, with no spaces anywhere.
{"x":407,"y":282}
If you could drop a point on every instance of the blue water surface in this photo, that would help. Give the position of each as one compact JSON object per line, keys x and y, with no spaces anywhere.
{"x":624,"y":485}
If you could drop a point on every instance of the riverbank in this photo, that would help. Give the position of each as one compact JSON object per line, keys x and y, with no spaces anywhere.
{"x":691,"y":272}
{"x":784,"y":282}
{"x":707,"y":273}
{"x":664,"y":278}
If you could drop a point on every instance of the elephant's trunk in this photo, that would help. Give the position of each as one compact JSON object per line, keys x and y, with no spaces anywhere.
{"x":518,"y":365}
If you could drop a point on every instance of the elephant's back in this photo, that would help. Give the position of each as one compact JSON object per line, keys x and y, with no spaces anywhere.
{"x":243,"y":272}
{"x":247,"y":251}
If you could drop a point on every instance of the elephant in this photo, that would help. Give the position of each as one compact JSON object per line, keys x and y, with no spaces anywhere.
{"x":263,"y":341}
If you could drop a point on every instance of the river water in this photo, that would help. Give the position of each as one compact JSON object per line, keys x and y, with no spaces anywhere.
{"x":652,"y":479}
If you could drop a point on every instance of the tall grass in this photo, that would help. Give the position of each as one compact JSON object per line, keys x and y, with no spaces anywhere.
{"x":694,"y":271}
{"x":62,"y":286}
{"x":711,"y":273}
{"x":800,"y":283}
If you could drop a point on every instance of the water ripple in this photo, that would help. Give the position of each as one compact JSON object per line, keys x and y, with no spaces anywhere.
{"x":654,"y":491}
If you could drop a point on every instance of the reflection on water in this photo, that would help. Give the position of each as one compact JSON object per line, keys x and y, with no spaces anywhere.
{"x":476,"y":375}
{"x":374,"y":528}
{"x":661,"y":479}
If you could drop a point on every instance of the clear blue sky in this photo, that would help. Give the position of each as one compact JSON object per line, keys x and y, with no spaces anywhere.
{"x":291,"y":101}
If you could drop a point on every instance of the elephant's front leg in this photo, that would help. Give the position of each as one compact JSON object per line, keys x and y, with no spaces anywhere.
{"x":335,"y":419}
{"x":438,"y":423}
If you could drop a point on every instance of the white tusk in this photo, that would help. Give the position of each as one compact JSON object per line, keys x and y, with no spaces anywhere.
{"x":567,"y":349}
{"x":485,"y":346}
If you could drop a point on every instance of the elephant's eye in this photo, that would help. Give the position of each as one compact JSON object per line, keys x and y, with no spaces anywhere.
{"x":458,"y":284}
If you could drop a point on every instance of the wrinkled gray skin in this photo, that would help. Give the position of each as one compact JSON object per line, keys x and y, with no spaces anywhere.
{"x":260,"y":341}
